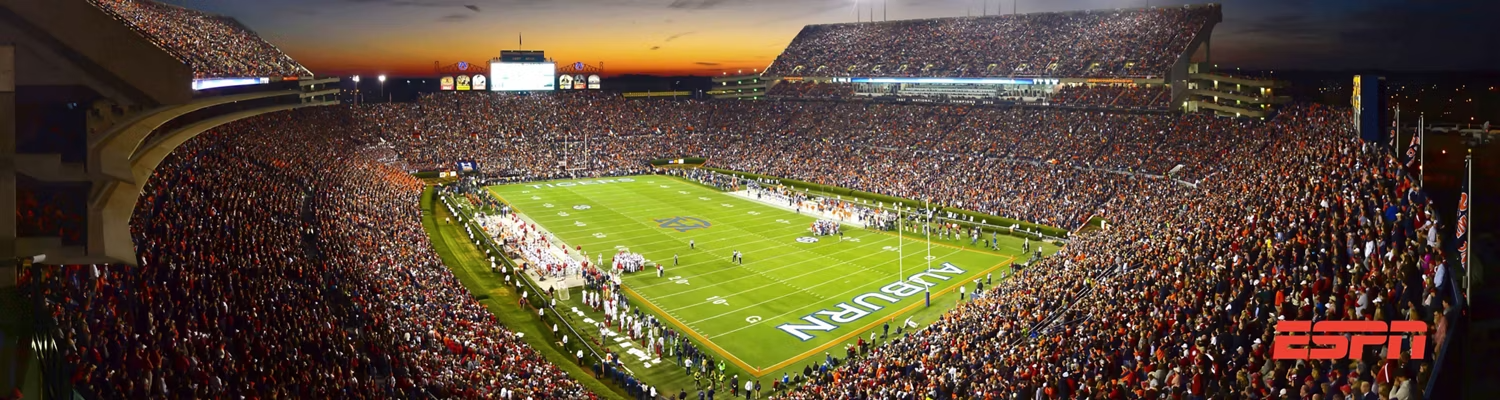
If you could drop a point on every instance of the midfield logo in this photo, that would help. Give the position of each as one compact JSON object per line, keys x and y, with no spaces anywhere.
{"x":1292,"y":341}
{"x":682,"y":224}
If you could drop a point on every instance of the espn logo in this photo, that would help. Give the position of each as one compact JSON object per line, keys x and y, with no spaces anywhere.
{"x":1335,"y":345}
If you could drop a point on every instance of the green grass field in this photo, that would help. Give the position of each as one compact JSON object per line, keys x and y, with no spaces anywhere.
{"x":789,"y":301}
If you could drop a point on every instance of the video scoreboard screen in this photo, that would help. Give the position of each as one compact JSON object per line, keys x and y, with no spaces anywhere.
{"x":514,"y":76}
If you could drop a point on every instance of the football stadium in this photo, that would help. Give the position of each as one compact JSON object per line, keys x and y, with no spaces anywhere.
{"x":1053,"y":204}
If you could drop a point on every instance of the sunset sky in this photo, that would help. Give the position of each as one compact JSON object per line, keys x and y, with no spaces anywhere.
{"x":703,"y":37}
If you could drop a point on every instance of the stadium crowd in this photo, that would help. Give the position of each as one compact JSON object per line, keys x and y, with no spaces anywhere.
{"x":1114,"y":96}
{"x":212,"y":45}
{"x":302,"y":272}
{"x":1100,"y":43}
{"x":1289,"y":218}
{"x":1201,"y":265}
{"x":1181,"y":301}
{"x":1047,"y":165}
{"x":807,"y":90}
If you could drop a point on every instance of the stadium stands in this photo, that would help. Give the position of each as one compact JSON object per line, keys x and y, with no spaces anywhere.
{"x":1049,"y":166}
{"x":1181,"y":300}
{"x":1128,"y":97}
{"x":807,"y":90}
{"x":1101,"y":43}
{"x":292,"y":273}
{"x":1290,"y":218}
{"x":212,"y":45}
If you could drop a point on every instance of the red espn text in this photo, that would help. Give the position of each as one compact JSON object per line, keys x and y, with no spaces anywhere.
{"x":1337,"y":346}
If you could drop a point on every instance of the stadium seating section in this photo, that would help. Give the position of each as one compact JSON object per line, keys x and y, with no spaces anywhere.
{"x":1104,"y":43}
{"x":278,"y":260}
{"x":1128,"y":97}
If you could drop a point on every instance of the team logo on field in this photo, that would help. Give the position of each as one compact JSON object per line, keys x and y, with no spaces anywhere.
{"x":682,"y":224}
{"x":581,"y":207}
{"x":807,"y":239}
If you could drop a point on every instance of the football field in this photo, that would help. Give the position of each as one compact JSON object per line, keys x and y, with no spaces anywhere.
{"x":795,"y":295}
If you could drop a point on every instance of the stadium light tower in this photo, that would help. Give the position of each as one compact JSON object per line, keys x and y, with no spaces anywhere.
{"x":381,"y":78}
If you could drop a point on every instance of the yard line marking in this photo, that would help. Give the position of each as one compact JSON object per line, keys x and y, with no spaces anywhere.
{"x":612,"y":209}
{"x":769,"y":277}
{"x":748,"y":369}
{"x":735,"y":227}
{"x":554,"y":233}
{"x":903,"y":279}
{"x":837,"y":263}
{"x":782,"y":267}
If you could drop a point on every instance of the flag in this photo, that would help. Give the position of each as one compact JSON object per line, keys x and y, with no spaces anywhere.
{"x":1412,"y":151}
{"x":1462,"y":230}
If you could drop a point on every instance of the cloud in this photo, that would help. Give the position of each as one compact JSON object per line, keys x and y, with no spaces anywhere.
{"x":655,"y":47}
{"x":1288,"y":27}
{"x":707,"y":64}
{"x":678,"y":35}
{"x":455,"y":18}
{"x":696,"y":4}
{"x":472,"y":7}
{"x":406,"y":3}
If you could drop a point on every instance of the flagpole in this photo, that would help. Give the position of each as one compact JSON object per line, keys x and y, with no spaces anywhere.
{"x":1421,"y":150}
{"x":1395,"y":147}
{"x":1468,"y":272}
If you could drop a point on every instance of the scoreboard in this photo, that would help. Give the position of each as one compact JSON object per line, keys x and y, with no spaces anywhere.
{"x":517,"y":76}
